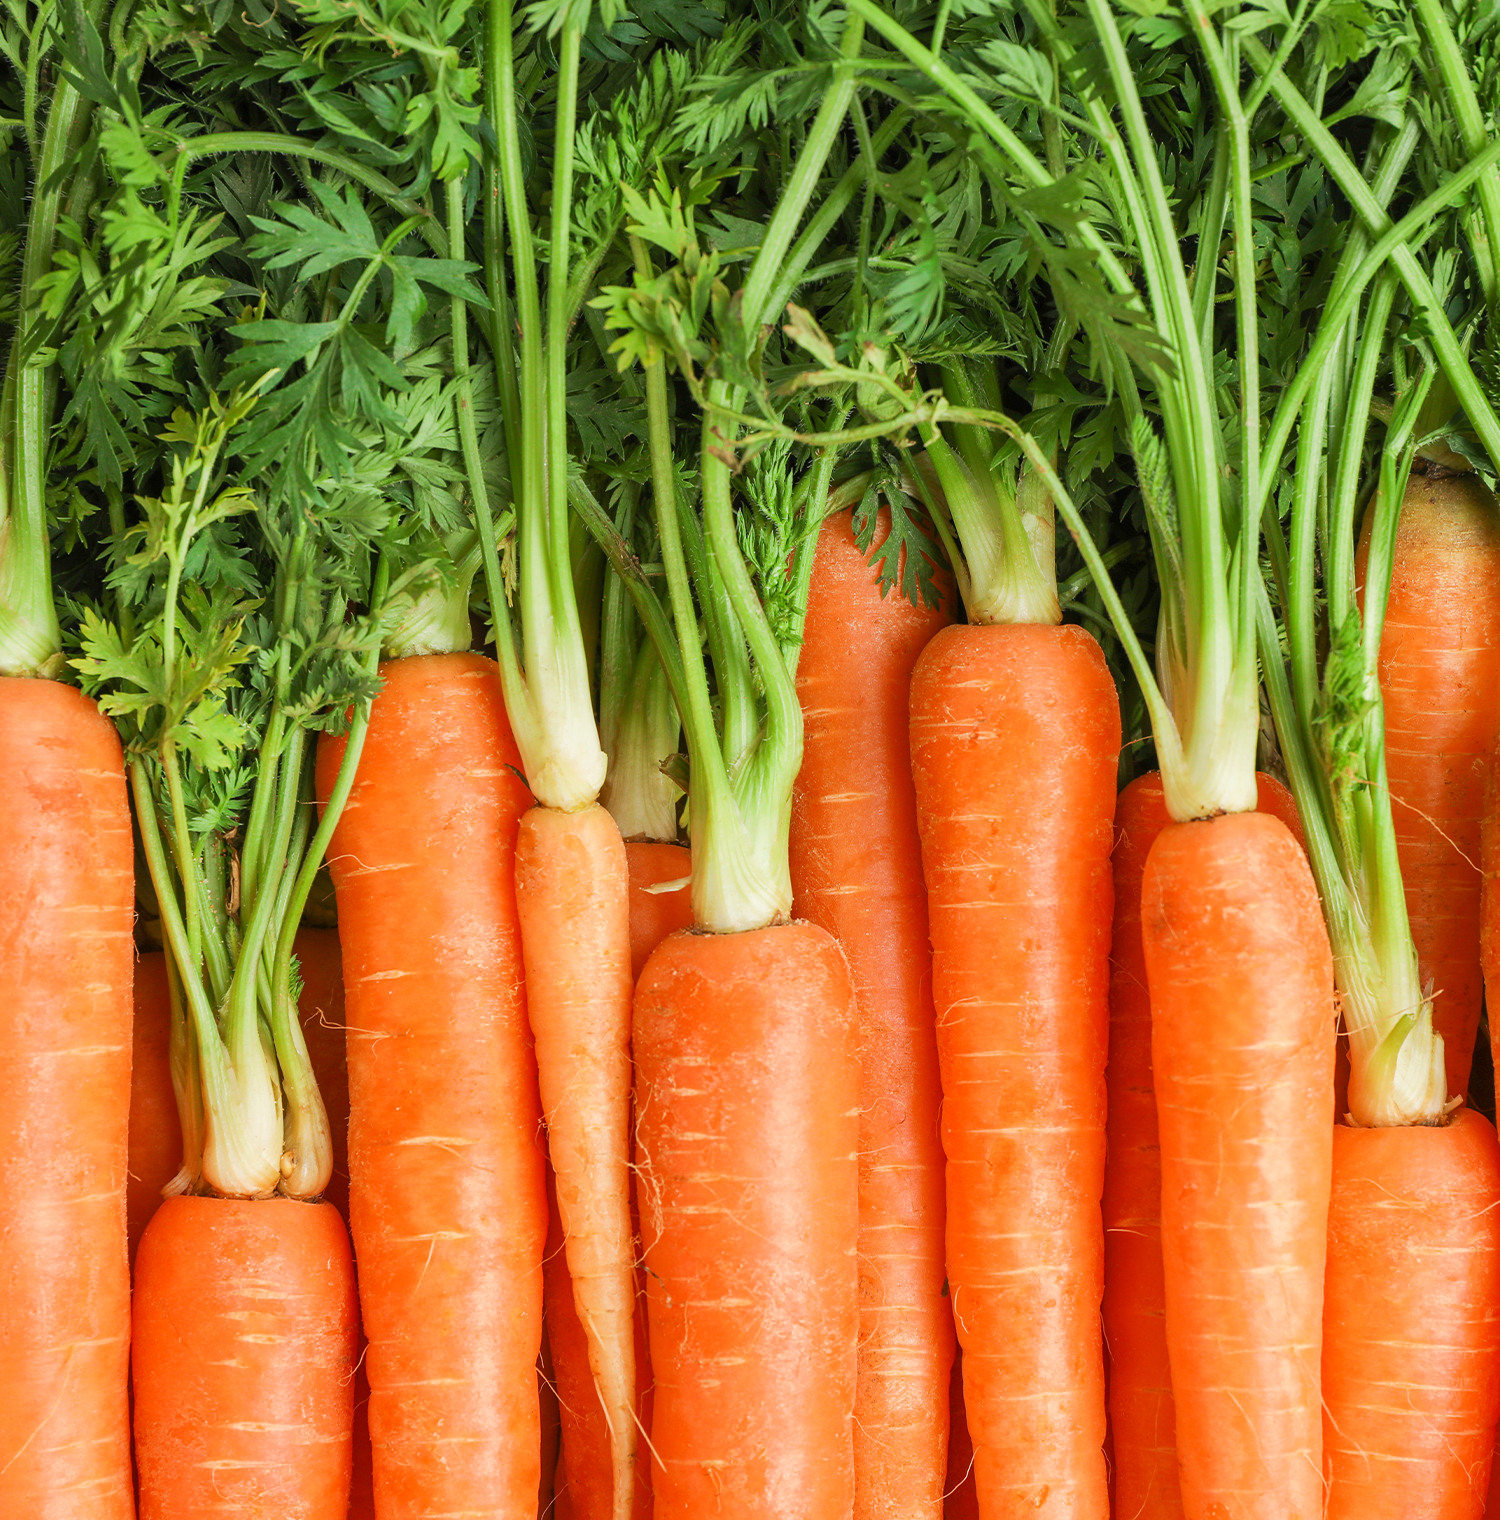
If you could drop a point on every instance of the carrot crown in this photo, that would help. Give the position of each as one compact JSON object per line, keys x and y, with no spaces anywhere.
{"x":638,"y":720}
{"x":544,"y":665}
{"x":745,"y":750}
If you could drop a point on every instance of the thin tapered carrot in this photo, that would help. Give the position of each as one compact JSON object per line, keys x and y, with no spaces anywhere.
{"x":1142,"y":1419}
{"x":244,"y":1307}
{"x":551,"y":1433}
{"x":1242,"y":1007}
{"x":446,"y":1193}
{"x":1015,"y":734}
{"x":857,"y":871}
{"x":66,"y":961}
{"x":1440,"y":681}
{"x":1411,"y":1331}
{"x":585,"y":1467}
{"x":655,"y":915}
{"x":155,"y":1130}
{"x":572,"y":896}
{"x":747,"y":1095}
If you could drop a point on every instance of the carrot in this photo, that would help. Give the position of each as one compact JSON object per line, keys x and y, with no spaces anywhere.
{"x":747,"y":1096}
{"x":655,"y":915}
{"x":1440,"y":682}
{"x":244,"y":1348}
{"x":1230,"y":922}
{"x":446,"y":1189}
{"x":856,"y":871}
{"x":155,"y":1132}
{"x":551,"y":1433}
{"x":1015,"y":735}
{"x":321,"y":1009}
{"x":66,"y":953}
{"x":1141,"y":1414}
{"x":1411,"y":1355}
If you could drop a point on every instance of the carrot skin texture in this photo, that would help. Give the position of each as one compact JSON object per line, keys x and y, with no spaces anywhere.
{"x":857,"y":871}
{"x":243,"y":1360}
{"x":1142,"y":1419}
{"x":447,"y":1197}
{"x":155,"y":1131}
{"x":655,"y":915}
{"x":1440,"y":683}
{"x":66,"y":972}
{"x":1242,"y":1007}
{"x":1015,"y":735}
{"x":747,"y":1095}
{"x":1411,"y":1333}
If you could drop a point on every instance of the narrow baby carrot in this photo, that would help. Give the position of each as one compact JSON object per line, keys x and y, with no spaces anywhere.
{"x":960,"y":1496}
{"x":655,"y":915}
{"x":244,"y":1307}
{"x":446,"y":1193}
{"x":1411,"y":1355}
{"x":155,"y":1131}
{"x":66,"y":954}
{"x":1440,"y":683}
{"x":857,"y":871}
{"x":1142,"y":1418}
{"x":1015,"y":735}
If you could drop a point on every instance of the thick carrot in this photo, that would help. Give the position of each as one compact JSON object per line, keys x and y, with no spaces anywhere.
{"x":1411,"y":1328}
{"x":655,"y":915}
{"x":857,"y":871}
{"x":66,"y":960}
{"x":1242,"y":1007}
{"x":155,"y":1130}
{"x":1015,"y":734}
{"x":747,"y":1092}
{"x":244,"y":1308}
{"x":446,"y":1191}
{"x":573,"y":898}
{"x":1142,"y":1420}
{"x":1440,"y":680}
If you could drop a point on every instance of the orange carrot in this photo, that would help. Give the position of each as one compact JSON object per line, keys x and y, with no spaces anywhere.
{"x":1142,"y":1420}
{"x":655,"y":915}
{"x":551,"y":1433}
{"x":1015,"y":735}
{"x":66,"y":958}
{"x":214,"y":1277}
{"x":1231,"y":925}
{"x":155,"y":1131}
{"x":1440,"y":680}
{"x":747,"y":1098}
{"x":572,"y":896}
{"x":446,"y":1191}
{"x":857,"y":871}
{"x":1411,"y":1355}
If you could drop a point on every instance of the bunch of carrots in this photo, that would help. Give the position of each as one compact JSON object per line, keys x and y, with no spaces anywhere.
{"x":750,"y":759}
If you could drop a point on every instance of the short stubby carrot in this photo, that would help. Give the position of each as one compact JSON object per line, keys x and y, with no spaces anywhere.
{"x":654,"y":915}
{"x":1411,"y":1327}
{"x":857,"y":870}
{"x":747,"y":1098}
{"x":446,"y":1192}
{"x":1242,"y":1008}
{"x":155,"y":1129}
{"x":1440,"y":682}
{"x":1015,"y":735}
{"x":573,"y":900}
{"x":243,"y":1361}
{"x":67,"y":901}
{"x":1142,"y":1420}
